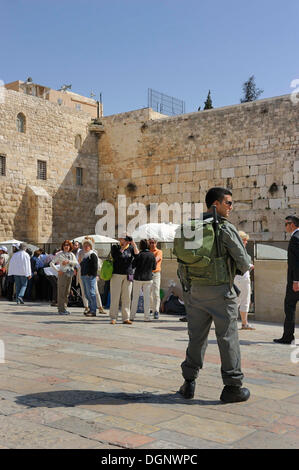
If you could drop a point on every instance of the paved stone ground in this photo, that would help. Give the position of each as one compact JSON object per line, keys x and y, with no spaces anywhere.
{"x":81,"y":383}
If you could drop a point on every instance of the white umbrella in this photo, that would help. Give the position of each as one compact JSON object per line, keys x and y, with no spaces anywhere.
{"x":97,"y":239}
{"x":160,"y":232}
{"x":9,"y":243}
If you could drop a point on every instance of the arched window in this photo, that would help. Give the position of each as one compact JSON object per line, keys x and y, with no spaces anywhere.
{"x":21,"y":122}
{"x":78,"y":141}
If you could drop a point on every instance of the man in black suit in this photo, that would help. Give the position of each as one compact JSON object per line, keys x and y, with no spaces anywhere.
{"x":292,"y":292}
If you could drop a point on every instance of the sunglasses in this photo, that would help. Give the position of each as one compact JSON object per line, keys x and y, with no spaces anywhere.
{"x":228,"y":203}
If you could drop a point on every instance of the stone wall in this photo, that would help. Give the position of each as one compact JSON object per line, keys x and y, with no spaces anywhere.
{"x":48,"y":210}
{"x":252,"y":148}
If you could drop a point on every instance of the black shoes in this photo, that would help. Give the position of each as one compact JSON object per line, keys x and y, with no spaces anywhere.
{"x":187,"y":389}
{"x":229,"y":394}
{"x":232,"y":394}
{"x":284,"y":340}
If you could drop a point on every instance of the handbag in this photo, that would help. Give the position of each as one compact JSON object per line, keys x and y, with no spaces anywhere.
{"x":107,"y":269}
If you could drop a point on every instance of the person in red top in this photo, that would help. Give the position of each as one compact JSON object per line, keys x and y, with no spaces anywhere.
{"x":155,"y":293}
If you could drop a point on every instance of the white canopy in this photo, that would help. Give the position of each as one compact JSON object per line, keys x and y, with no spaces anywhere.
{"x":97,"y":239}
{"x":160,"y":232}
{"x":9,"y":243}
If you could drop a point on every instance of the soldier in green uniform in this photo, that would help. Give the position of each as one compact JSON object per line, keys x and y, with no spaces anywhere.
{"x":210,"y":295}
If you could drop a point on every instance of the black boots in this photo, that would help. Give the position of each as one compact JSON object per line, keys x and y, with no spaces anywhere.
{"x":187,"y":389}
{"x":232,"y":394}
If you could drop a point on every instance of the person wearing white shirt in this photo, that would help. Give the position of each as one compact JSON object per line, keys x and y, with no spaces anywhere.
{"x":20,"y":268}
{"x":243,"y":284}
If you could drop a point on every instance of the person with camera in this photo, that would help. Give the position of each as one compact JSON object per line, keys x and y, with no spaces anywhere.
{"x":122,"y":278}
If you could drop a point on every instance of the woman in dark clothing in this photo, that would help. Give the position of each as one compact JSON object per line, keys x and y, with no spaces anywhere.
{"x":89,"y":271}
{"x":145,"y":264}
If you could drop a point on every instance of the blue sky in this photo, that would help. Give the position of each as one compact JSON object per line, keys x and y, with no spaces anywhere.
{"x":180,"y":47}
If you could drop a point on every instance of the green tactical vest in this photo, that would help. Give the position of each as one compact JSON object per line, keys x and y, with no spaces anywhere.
{"x":200,"y":264}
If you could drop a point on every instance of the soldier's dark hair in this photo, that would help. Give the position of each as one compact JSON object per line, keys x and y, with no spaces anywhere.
{"x":216,"y":194}
{"x":294,"y":219}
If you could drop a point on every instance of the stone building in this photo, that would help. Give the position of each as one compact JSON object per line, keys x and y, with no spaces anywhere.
{"x":49,"y":170}
{"x":62,"y":97}
{"x":252,"y":148}
{"x":58,"y":162}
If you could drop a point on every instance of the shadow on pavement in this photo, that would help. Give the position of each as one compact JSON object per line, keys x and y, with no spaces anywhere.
{"x":173,"y":328}
{"x":80,"y":321}
{"x":65,"y":398}
{"x":245,"y":342}
{"x":30,"y":312}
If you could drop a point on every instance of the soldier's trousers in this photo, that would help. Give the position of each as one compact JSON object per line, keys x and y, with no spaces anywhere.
{"x":205,"y":304}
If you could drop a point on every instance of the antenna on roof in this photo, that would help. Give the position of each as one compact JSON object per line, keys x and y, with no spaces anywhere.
{"x":65,"y":87}
{"x":92,"y":94}
{"x":29,"y":81}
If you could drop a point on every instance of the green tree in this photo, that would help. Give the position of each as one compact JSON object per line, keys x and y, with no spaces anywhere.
{"x":208,"y":102}
{"x":251,"y":92}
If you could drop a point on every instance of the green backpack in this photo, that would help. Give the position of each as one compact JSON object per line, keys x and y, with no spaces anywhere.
{"x":106,"y":270}
{"x":199,"y":251}
{"x":201,"y":261}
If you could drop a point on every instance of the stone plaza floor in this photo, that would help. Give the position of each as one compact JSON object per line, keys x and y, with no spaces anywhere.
{"x":71,"y":382}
